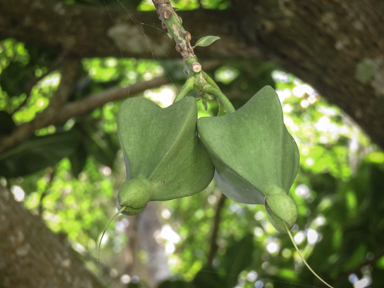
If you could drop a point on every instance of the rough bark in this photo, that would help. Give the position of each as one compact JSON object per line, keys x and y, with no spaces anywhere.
{"x":337,"y":46}
{"x":32,"y":256}
{"x":100,"y":32}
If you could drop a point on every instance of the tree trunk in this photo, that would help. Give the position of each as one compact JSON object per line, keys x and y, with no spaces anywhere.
{"x":76,"y":29}
{"x":149,"y":227}
{"x":337,"y":46}
{"x":31,"y":256}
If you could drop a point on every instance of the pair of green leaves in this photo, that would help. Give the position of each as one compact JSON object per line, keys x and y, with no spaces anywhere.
{"x":255,"y":158}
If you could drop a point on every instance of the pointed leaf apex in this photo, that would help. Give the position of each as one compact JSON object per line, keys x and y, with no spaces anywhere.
{"x":206,"y":41}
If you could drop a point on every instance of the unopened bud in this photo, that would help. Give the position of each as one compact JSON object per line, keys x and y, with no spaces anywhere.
{"x":187,"y":36}
{"x":179,"y":48}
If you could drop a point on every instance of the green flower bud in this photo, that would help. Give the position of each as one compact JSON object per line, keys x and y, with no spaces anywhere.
{"x":280,"y":208}
{"x":134,"y":195}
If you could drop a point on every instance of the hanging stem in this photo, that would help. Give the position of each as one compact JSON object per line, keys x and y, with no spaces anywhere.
{"x":210,"y":80}
{"x":187,"y":87}
{"x":173,"y":24}
{"x":209,"y":89}
{"x":302,"y":258}
{"x":102,"y":235}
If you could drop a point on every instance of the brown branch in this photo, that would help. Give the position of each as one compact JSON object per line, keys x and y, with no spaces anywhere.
{"x":76,"y":29}
{"x":24,"y":131}
{"x":30,"y":86}
{"x":40,"y":208}
{"x":92,"y":102}
{"x":215,"y":230}
{"x":171,"y":22}
{"x":56,"y":114}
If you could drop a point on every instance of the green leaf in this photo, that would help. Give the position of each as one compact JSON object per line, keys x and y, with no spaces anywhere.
{"x":7,"y":123}
{"x":176,"y":284}
{"x":78,"y":160}
{"x":238,"y":258}
{"x":208,"y":278}
{"x":100,"y":145}
{"x":15,"y":77}
{"x":38,"y":153}
{"x":206,"y":41}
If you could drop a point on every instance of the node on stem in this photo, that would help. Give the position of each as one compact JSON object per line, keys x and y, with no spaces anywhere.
{"x":196,"y":67}
{"x":167,"y":14}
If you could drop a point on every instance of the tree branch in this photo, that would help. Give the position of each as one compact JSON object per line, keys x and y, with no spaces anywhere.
{"x":40,"y":207}
{"x":56,"y":116}
{"x":92,"y":102}
{"x":30,"y":86}
{"x":24,"y":131}
{"x":60,"y":26}
{"x":59,"y":115}
{"x":171,"y":22}
{"x":215,"y":230}
{"x":337,"y":48}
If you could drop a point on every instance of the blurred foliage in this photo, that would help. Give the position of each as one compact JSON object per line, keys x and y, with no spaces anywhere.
{"x":69,"y":175}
